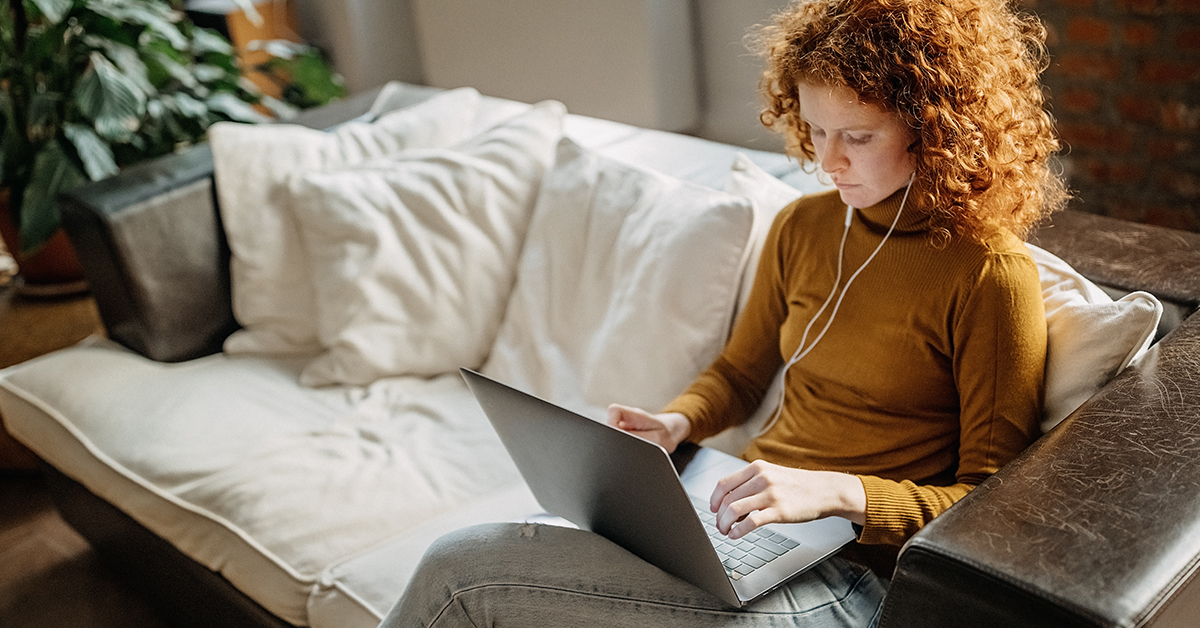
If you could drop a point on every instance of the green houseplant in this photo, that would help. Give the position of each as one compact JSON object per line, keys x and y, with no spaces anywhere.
{"x":301,"y":73}
{"x":90,"y":86}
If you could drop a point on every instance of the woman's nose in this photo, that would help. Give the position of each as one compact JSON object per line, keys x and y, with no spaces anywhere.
{"x":833,"y":158}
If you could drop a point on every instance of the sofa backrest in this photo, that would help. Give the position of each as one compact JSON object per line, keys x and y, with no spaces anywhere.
{"x":154,"y":249}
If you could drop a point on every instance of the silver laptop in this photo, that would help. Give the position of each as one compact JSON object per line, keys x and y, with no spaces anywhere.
{"x":630,"y":491}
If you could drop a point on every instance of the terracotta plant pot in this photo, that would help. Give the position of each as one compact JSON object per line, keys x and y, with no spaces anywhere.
{"x":52,"y":271}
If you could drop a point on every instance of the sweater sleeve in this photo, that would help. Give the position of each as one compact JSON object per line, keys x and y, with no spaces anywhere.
{"x":730,"y":390}
{"x":999,"y":337}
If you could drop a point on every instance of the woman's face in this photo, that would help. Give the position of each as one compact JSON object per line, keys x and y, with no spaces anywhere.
{"x":863,"y":147}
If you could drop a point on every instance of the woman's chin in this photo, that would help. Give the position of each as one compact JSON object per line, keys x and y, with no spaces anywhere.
{"x":858,"y":196}
{"x":854,"y":197}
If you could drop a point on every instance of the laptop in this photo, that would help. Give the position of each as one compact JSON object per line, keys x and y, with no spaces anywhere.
{"x":633,"y":493}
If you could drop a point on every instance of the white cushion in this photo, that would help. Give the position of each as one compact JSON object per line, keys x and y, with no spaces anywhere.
{"x":1090,"y":337}
{"x":626,"y":287}
{"x":272,"y":294}
{"x":413,"y":257}
{"x":769,"y":196}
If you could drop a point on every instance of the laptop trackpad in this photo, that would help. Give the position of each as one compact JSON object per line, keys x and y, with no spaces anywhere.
{"x":700,"y":468}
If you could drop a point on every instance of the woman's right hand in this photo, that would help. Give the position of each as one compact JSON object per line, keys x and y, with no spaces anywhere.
{"x":666,"y":430}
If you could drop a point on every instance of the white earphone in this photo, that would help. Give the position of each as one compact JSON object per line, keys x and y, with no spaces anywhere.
{"x":801,"y":350}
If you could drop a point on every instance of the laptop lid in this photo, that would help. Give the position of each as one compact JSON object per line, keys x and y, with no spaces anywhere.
{"x":628,"y":490}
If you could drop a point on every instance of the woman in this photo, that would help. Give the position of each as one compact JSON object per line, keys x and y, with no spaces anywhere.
{"x":903,"y":309}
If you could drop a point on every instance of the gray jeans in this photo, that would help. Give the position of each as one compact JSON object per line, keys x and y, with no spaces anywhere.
{"x":527,"y":575}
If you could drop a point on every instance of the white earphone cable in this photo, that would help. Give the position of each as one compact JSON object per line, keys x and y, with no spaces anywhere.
{"x":801,"y":351}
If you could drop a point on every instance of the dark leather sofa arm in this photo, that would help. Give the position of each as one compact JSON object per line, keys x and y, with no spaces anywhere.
{"x":1094,"y":525}
{"x":154,"y":252}
{"x":1127,"y":256}
{"x":1123,"y":257}
{"x":155,"y":256}
{"x":1097,"y":523}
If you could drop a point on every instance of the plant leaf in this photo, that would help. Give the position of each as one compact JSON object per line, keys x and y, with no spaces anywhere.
{"x":208,"y":74}
{"x":125,"y":58}
{"x":206,"y":40}
{"x":252,"y":13}
{"x":157,"y":16}
{"x":110,"y":99}
{"x":54,"y":10}
{"x":53,"y":172}
{"x":173,"y":69}
{"x":311,"y":74}
{"x":280,"y":48}
{"x":104,"y":26}
{"x":154,"y":108}
{"x":186,"y":105}
{"x":42,"y":114}
{"x":173,"y":131}
{"x":281,"y":110}
{"x":235,"y":108}
{"x":97,"y":157}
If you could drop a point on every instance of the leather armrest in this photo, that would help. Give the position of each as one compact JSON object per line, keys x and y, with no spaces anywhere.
{"x":1126,"y":255}
{"x":154,"y":252}
{"x":155,"y":256}
{"x":1094,"y":525}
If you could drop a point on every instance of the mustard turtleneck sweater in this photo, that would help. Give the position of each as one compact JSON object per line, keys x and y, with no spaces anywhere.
{"x":928,"y":380}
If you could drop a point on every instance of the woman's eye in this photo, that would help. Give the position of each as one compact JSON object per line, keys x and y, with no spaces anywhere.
{"x":857,"y":139}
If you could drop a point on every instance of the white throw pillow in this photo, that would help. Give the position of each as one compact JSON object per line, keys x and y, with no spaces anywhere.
{"x":626,"y":287}
{"x":1090,"y":337}
{"x":413,"y":257}
{"x":769,"y":196}
{"x":272,"y":295}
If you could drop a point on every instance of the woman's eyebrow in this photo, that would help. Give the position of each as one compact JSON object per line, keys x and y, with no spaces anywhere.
{"x":862,"y":128}
{"x":853,"y":128}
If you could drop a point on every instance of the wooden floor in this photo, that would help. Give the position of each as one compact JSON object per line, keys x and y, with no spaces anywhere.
{"x":49,"y":575}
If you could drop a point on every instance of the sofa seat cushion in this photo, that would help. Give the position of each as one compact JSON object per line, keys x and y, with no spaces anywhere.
{"x":249,"y":473}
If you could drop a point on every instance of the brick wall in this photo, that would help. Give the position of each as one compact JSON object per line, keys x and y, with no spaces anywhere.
{"x":1124,"y":85}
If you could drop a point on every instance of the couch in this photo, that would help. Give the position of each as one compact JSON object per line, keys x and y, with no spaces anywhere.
{"x":295,"y":479}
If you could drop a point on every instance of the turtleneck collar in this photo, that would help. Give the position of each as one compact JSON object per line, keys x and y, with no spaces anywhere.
{"x":880,"y":215}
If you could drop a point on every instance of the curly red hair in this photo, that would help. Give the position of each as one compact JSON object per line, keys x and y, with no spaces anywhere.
{"x":963,"y":74}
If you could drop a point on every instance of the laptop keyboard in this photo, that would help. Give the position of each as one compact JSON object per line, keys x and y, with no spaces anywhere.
{"x":744,"y":555}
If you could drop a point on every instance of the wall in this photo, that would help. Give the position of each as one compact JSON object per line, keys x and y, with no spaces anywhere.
{"x":627,"y":60}
{"x":373,"y":41}
{"x":370,"y":42}
{"x":1124,"y":84}
{"x":729,"y":72}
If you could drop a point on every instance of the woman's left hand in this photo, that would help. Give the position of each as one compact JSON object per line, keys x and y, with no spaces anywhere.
{"x":763,"y":493}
